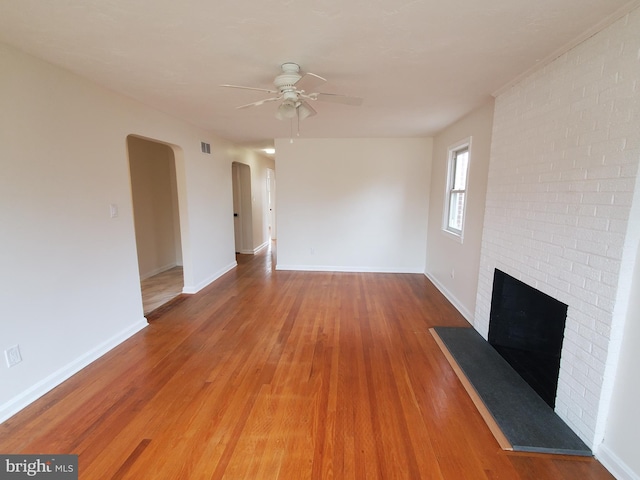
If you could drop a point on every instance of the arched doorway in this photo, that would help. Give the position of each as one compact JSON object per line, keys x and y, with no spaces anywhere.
{"x":157,"y":220}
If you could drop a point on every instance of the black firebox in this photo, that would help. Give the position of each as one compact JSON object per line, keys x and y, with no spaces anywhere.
{"x":527,"y":328}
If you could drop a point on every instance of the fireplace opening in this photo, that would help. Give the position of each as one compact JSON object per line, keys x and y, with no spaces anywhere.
{"x":526,"y":327}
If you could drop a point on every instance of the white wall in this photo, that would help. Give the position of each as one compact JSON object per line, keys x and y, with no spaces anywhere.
{"x":69,"y":285}
{"x":564,"y":160}
{"x":619,"y":452}
{"x":353,"y":204}
{"x":445,"y":253}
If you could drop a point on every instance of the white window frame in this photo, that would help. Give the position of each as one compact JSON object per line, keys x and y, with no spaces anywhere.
{"x":452,"y":153}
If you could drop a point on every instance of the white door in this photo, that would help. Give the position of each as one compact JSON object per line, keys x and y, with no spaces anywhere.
{"x":271,"y":196}
{"x":237,"y":195}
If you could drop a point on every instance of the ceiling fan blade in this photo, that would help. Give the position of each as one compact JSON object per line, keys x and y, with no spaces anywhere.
{"x":305,"y":110}
{"x":309,"y":82}
{"x":250,"y":88}
{"x":335,"y":98}
{"x":259,"y":102}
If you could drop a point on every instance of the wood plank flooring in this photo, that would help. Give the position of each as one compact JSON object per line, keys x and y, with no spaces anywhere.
{"x":281,"y":375}
{"x":161,"y":289}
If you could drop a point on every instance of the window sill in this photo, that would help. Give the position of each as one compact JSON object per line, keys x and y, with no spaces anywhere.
{"x":452,"y":235}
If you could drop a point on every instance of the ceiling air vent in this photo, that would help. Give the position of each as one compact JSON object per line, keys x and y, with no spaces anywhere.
{"x":205,"y":147}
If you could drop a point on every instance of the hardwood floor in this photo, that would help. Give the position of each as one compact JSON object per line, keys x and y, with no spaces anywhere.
{"x":288,"y":375}
{"x":161,"y":288}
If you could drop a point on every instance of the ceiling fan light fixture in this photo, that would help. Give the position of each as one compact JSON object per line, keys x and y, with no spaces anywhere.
{"x":287,"y":109}
{"x":304,"y":112}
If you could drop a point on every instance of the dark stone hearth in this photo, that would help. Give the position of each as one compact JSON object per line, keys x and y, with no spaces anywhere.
{"x":528,"y":423}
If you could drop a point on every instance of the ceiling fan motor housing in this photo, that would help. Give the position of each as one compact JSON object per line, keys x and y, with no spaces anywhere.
{"x":287,"y":79}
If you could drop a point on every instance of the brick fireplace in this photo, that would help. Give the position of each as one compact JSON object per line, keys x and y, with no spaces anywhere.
{"x":564,"y":160}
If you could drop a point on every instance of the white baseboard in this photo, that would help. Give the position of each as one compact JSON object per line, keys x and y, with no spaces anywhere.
{"x":616,"y":467}
{"x":47,"y":384}
{"x":191,"y":289}
{"x":347,"y":269}
{"x":157,"y":271}
{"x":452,"y":298}
{"x":261,"y":247}
{"x":246,"y":251}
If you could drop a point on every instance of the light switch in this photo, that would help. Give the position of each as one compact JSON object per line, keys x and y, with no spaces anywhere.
{"x":113,"y":210}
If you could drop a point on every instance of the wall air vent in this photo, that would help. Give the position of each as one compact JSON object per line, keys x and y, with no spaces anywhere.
{"x":205,"y":147}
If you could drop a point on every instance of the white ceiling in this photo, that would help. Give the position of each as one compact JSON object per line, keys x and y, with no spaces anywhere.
{"x":419,"y":64}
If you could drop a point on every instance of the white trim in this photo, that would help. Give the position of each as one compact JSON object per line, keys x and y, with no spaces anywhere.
{"x":451,"y":150}
{"x":347,"y":269}
{"x":261,"y":247}
{"x":453,"y":236}
{"x":47,"y":384}
{"x":189,"y":289}
{"x":158,"y":270}
{"x":255,"y":250}
{"x":616,"y":467}
{"x":451,"y":297}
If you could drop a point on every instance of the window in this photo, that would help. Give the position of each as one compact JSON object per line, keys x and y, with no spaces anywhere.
{"x":457,"y":188}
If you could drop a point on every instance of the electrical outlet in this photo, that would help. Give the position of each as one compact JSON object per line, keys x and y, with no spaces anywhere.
{"x":12,"y":355}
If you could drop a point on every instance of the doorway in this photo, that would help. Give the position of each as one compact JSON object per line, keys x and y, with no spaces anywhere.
{"x":242,"y":211}
{"x":271,"y":203}
{"x":156,"y":216}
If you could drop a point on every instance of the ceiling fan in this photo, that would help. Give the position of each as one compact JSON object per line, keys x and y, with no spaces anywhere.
{"x":296,"y":90}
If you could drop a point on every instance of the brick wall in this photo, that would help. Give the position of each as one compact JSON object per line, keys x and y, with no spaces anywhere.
{"x":564,"y":158}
